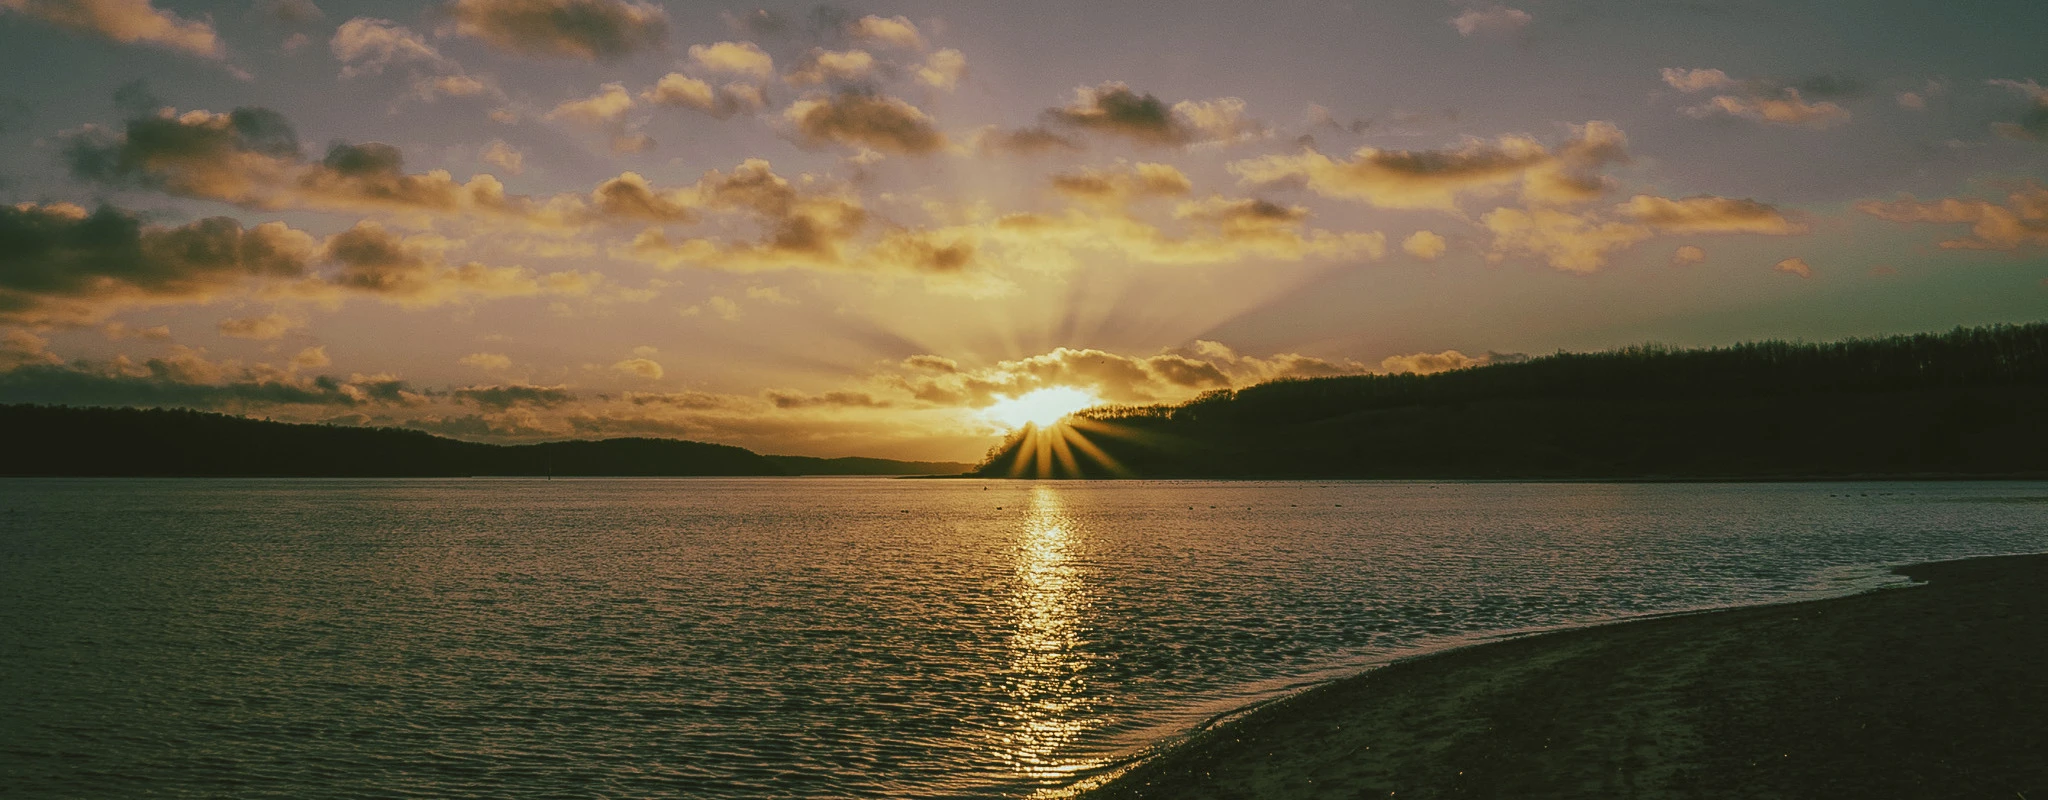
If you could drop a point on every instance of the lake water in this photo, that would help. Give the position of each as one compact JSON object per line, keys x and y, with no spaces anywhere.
{"x":816,"y":637}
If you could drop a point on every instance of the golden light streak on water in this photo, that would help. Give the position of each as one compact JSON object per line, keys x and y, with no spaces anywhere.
{"x":1050,"y":703}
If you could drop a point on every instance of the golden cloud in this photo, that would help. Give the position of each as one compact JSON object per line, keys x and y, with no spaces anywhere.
{"x":2021,"y":222}
{"x":880,"y":122}
{"x":1433,"y":179}
{"x":125,"y":21}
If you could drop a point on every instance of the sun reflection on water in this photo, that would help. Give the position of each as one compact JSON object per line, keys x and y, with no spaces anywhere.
{"x":1050,"y":703}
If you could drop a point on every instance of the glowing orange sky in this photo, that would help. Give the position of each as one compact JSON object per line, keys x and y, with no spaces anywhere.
{"x":851,"y":230}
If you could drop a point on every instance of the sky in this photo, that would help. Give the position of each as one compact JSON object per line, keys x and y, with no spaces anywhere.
{"x":856,"y":229}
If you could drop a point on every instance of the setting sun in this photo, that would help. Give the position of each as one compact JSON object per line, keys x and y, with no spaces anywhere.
{"x":1040,"y":407}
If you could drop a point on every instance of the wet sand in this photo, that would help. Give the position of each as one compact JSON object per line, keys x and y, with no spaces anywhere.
{"x":1936,"y":691}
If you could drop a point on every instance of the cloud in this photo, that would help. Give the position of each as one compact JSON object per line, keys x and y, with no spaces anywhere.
{"x":1788,"y":108}
{"x":1425,"y":245}
{"x":1911,"y":101}
{"x":744,"y":58}
{"x":605,"y":107}
{"x":1583,"y":241}
{"x":60,"y":264}
{"x":639,"y":367}
{"x":799,"y":229}
{"x":313,"y":357}
{"x":250,"y":157}
{"x":785,"y":399}
{"x":1567,"y":241}
{"x":499,"y":398}
{"x":1118,"y":187}
{"x":268,"y":326}
{"x":2034,"y":126}
{"x":2019,"y":223}
{"x":943,"y":69}
{"x":1430,"y":363}
{"x":1687,"y":255}
{"x":677,"y":89}
{"x":117,"y":331}
{"x":488,"y":362}
{"x":125,"y":21}
{"x":410,"y":271}
{"x":630,"y":197}
{"x":1434,"y":179}
{"x":1698,"y":80}
{"x":769,"y":294}
{"x":1168,"y":376}
{"x":503,"y":156}
{"x":1795,"y":266}
{"x":893,"y":31}
{"x":1709,"y":214}
{"x":1764,"y":100}
{"x":1114,"y":108}
{"x":832,"y":66}
{"x":1494,"y":20}
{"x":589,"y":30}
{"x":365,"y":46}
{"x":1022,"y":141}
{"x":186,"y":378}
{"x":879,"y":122}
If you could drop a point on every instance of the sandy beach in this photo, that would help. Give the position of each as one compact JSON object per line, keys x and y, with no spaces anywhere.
{"x":1936,"y":690}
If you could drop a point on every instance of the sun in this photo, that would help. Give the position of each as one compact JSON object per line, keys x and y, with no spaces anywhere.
{"x":1041,"y":407}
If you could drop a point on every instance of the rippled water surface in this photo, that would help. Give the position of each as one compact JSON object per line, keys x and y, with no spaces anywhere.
{"x":814,"y":637}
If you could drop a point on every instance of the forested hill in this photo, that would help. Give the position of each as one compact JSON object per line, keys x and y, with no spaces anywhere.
{"x":53,"y":440}
{"x":1970,"y":402}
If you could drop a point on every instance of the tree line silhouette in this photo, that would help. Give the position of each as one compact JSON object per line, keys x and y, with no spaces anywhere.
{"x":1967,"y":402}
{"x":66,"y":441}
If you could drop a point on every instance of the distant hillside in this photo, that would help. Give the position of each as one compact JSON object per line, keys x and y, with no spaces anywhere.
{"x":807,"y":465}
{"x":49,"y":440}
{"x":1970,"y":402}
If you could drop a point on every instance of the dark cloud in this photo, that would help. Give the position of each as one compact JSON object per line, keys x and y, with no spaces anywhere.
{"x":784,"y":399}
{"x":629,"y":197}
{"x":499,"y":398}
{"x":1026,"y":141}
{"x":591,"y":30}
{"x":1114,"y":108}
{"x":60,"y":263}
{"x":251,"y":157}
{"x":2032,"y":125}
{"x":185,"y":379}
{"x":877,"y":122}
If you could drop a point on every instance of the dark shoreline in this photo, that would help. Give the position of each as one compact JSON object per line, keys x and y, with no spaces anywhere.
{"x":1936,"y":690}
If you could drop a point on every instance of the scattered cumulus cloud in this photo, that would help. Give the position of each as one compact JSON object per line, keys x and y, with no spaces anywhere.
{"x":1762,"y":100}
{"x":878,"y":122}
{"x":268,"y":326}
{"x":1795,"y":266}
{"x":1425,"y":245}
{"x":893,"y":31}
{"x":742,"y":58}
{"x":125,"y":21}
{"x":1493,"y":20}
{"x":943,"y":69}
{"x":2021,"y":221}
{"x":1114,"y":108}
{"x":586,"y":30}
